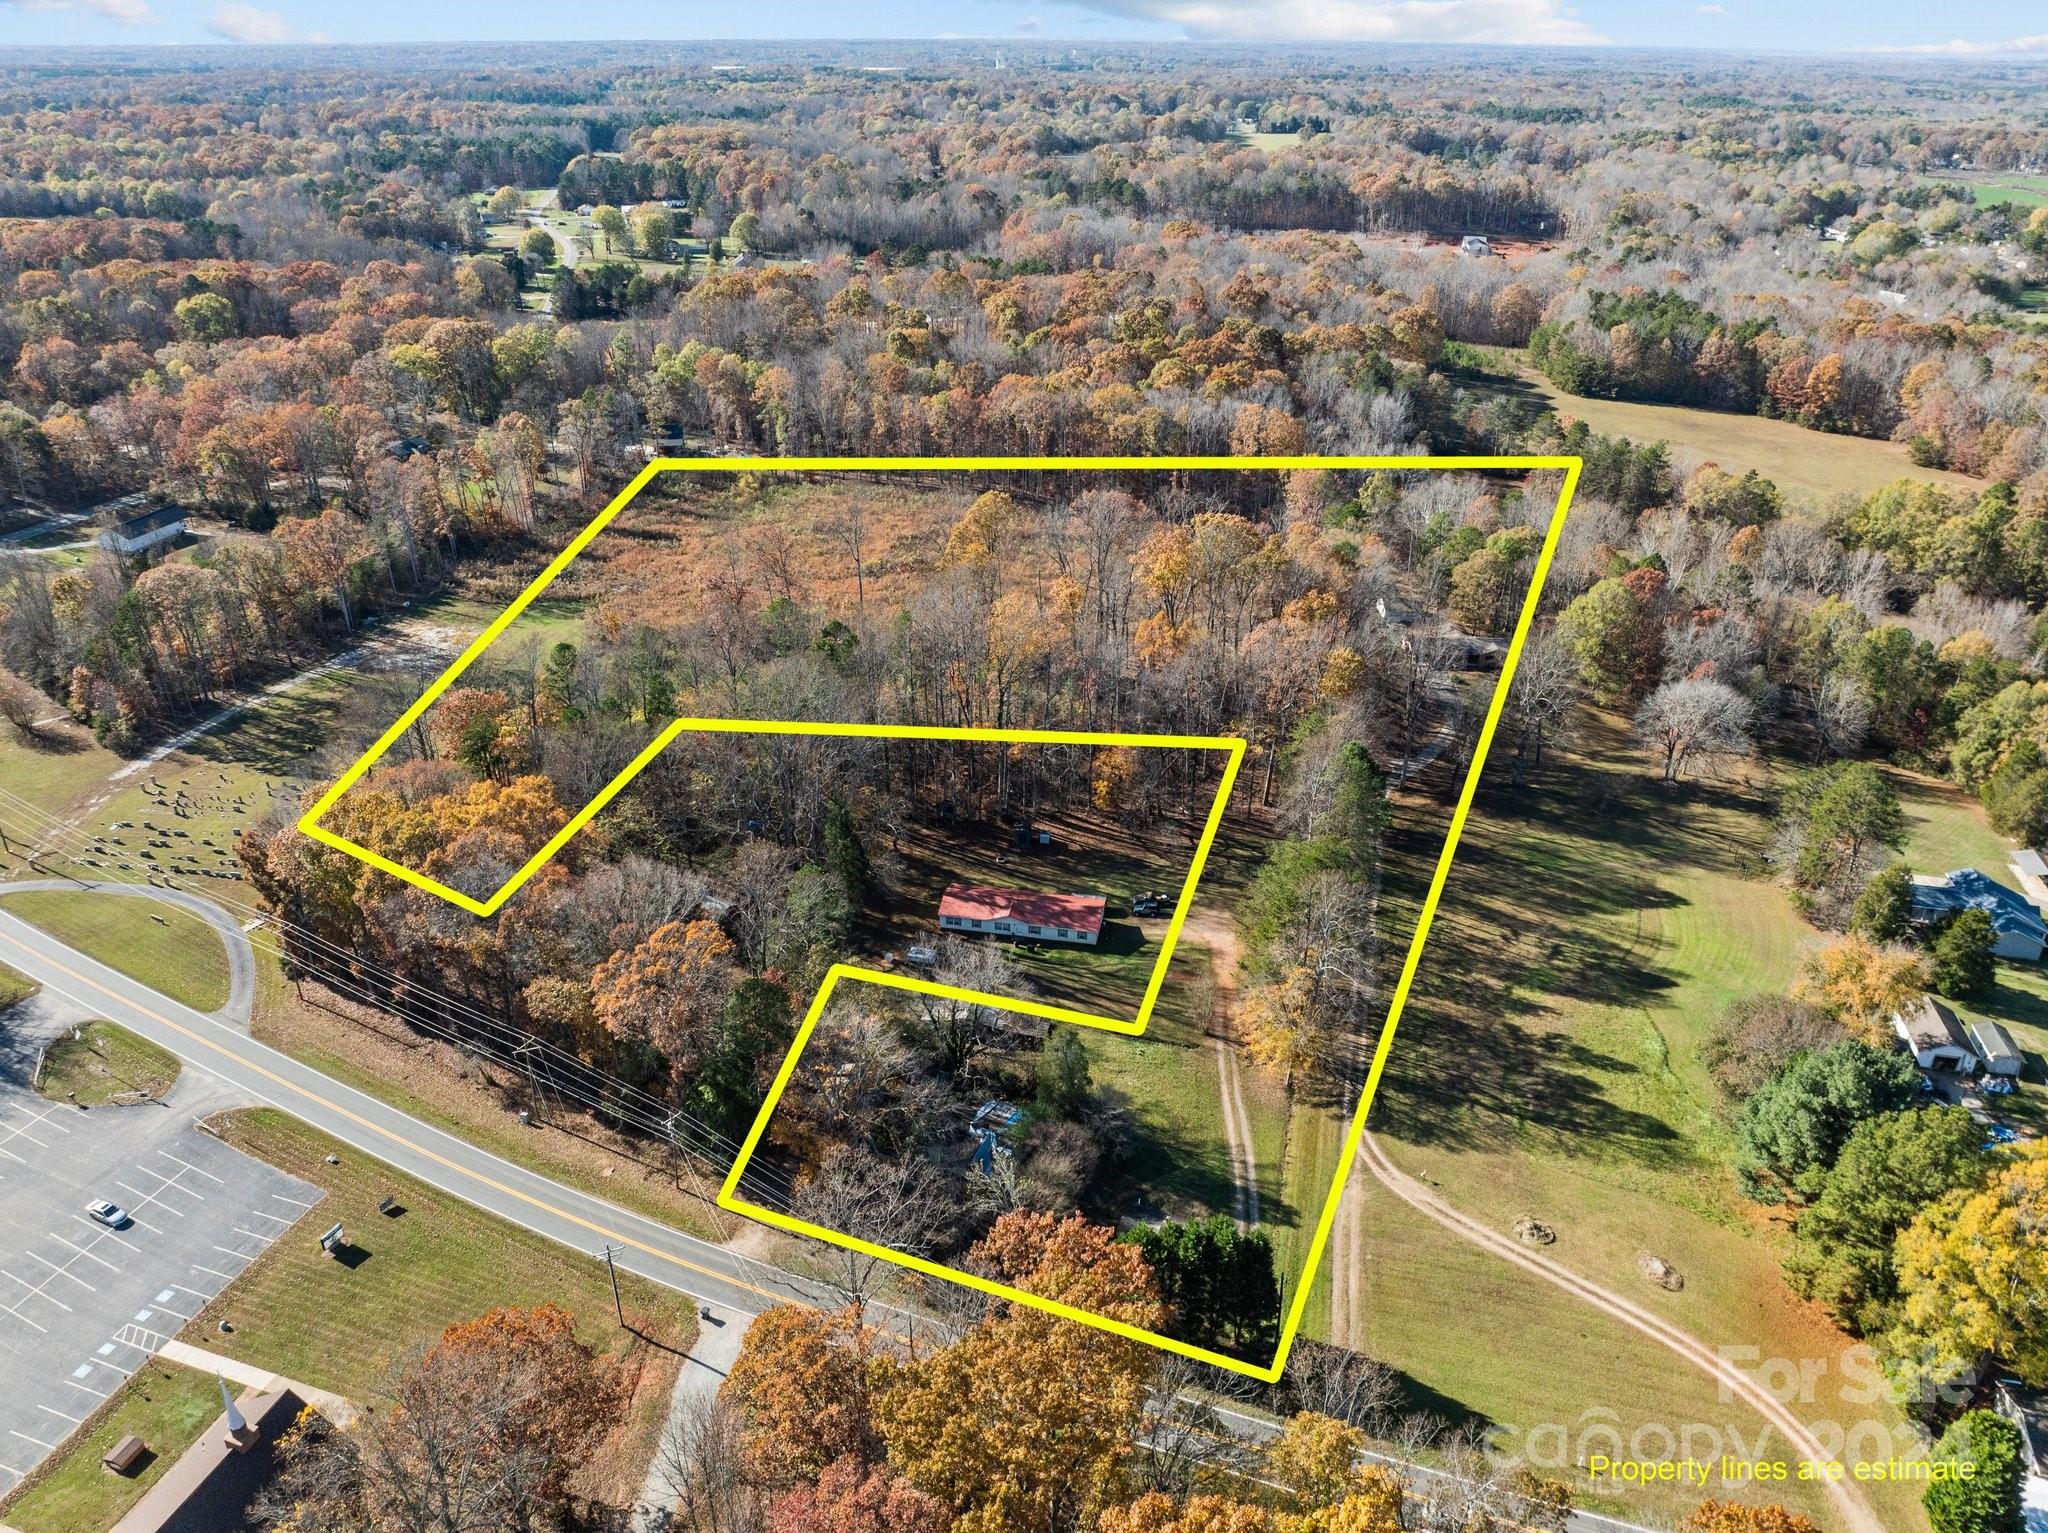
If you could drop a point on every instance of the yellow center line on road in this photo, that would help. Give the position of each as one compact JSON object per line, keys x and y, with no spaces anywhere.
{"x":612,"y":1236}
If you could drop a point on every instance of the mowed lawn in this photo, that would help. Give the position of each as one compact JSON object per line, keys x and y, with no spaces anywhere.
{"x":345,"y":1325}
{"x":1594,"y":928}
{"x":159,"y":945}
{"x":1484,"y":1343}
{"x":1798,"y":461}
{"x":163,"y":1404}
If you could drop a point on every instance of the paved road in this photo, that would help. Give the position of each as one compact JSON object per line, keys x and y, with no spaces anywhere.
{"x":261,"y":1073}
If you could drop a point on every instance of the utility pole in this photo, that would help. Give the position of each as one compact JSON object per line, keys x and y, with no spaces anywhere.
{"x":613,"y":1267}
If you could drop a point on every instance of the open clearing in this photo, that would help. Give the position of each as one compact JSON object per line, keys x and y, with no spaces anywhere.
{"x":1797,"y":460}
{"x":1593,"y":930}
{"x":166,"y":948}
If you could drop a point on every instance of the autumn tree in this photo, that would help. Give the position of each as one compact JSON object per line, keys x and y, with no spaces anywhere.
{"x":1861,"y":983}
{"x":484,"y":1431}
{"x":666,"y":991}
{"x":1734,"y":1517}
{"x":1028,"y":1421}
{"x":1974,"y":1269}
{"x":802,"y":1384}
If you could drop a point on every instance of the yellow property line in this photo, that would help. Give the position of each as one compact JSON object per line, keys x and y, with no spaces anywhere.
{"x":728,"y":1197}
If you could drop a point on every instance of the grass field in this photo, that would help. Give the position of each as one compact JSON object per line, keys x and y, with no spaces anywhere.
{"x":100,"y":1063}
{"x":1996,"y":188}
{"x":1486,"y":1345}
{"x":166,"y":1406}
{"x":1594,"y":928}
{"x":15,"y":988}
{"x":1799,"y":461}
{"x":159,"y":945}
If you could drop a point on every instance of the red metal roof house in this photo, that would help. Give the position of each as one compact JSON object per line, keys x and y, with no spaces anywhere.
{"x":1023,"y":913}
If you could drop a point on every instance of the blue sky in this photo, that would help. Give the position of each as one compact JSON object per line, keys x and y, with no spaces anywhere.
{"x":1963,"y":28}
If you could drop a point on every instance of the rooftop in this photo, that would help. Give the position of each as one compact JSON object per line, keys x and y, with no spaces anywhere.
{"x":975,"y":902}
{"x":1927,"y":1024}
{"x":1968,"y":889}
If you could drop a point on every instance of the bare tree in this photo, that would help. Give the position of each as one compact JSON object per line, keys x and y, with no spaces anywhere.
{"x":1543,"y":699}
{"x":21,"y":705}
{"x":902,"y":1205}
{"x":1841,"y":717}
{"x":701,"y":1466}
{"x":1687,"y":719}
{"x":1184,"y":1443}
{"x":1349,"y":1386}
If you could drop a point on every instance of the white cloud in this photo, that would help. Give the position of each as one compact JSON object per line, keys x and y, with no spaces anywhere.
{"x":1372,"y":21}
{"x":130,"y":13}
{"x":1714,"y":10}
{"x":253,"y":24}
{"x":1962,"y":46}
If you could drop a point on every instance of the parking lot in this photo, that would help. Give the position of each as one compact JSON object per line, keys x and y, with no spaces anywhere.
{"x":82,"y":1306}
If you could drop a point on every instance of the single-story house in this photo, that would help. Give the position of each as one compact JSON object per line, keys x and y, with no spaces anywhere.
{"x":1023,"y":913}
{"x":139,"y":534}
{"x":2030,"y":872}
{"x":1935,"y":1035}
{"x":1476,"y":245}
{"x":2000,"y":1055}
{"x":2017,"y":930}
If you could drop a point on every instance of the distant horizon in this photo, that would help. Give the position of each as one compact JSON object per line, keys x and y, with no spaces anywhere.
{"x":1105,"y":44}
{"x":1970,"y":29}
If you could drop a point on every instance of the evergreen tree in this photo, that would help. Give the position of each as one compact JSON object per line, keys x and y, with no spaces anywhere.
{"x":1963,"y":966}
{"x":845,"y":857}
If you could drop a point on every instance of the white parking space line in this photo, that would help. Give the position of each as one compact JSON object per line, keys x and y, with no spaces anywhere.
{"x":217,"y":1181}
{"x":18,"y":1315}
{"x":240,"y":1256}
{"x":63,"y":1272}
{"x":46,"y":1447}
{"x":274,"y":1218}
{"x":104,"y":1232}
{"x":95,"y":1393}
{"x":266,"y":1239}
{"x":203,"y":1298}
{"x":302,"y":1202}
{"x":89,"y":1255}
{"x":144,"y":1200}
{"x":35,"y":1291}
{"x":61,"y":1415}
{"x":212,"y":1272}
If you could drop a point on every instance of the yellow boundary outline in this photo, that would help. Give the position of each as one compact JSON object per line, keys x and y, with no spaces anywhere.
{"x":728,"y":1195}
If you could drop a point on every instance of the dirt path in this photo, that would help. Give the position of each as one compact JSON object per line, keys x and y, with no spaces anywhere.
{"x":1731,"y":1380}
{"x":1220,"y":936}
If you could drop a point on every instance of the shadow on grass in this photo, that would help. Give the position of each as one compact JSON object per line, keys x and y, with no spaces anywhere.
{"x":1537,"y":913}
{"x":47,"y":742}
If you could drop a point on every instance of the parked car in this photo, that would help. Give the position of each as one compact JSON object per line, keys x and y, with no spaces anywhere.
{"x":112,"y":1215}
{"x":922,"y":954}
{"x":1150,"y":903}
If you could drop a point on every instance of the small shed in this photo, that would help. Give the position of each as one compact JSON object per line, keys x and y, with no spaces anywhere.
{"x":1995,"y":1047}
{"x":139,"y":534}
{"x":1935,"y":1036}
